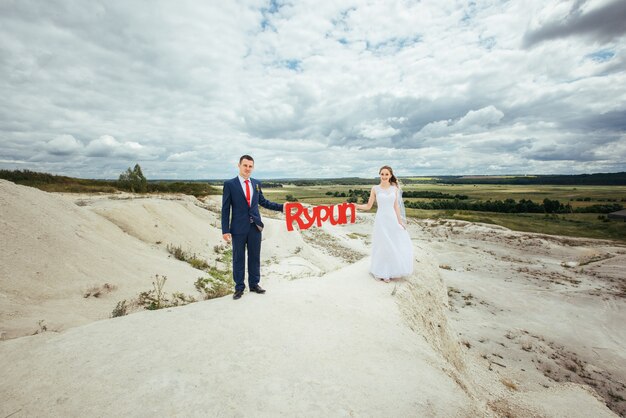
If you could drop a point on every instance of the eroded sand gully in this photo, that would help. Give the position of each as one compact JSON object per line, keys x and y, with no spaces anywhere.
{"x":541,"y":310}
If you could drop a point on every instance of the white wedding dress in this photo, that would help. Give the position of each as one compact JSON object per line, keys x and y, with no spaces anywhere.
{"x":392,"y":249}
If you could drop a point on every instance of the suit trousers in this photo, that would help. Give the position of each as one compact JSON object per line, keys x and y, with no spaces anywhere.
{"x":252,"y":242}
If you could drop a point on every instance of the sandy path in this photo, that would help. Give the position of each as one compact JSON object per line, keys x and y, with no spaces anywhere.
{"x":334,"y":346}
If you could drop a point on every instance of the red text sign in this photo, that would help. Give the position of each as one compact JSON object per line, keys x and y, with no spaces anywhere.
{"x":304,"y":218}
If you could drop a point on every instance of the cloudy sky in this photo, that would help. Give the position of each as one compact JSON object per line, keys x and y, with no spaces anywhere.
{"x":313,"y":88}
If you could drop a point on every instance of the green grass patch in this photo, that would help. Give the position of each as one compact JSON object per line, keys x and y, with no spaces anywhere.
{"x":214,"y":286}
{"x":182,"y":255}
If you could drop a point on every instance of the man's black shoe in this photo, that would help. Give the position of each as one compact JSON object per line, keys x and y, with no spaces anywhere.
{"x":238,"y":294}
{"x":257,"y":289}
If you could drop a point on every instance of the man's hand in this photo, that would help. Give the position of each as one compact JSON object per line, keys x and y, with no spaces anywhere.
{"x":227,"y":237}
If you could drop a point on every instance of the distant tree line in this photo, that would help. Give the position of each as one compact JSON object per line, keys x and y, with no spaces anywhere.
{"x":512,"y":206}
{"x":271,"y":184}
{"x":433,"y":195}
{"x":598,"y":179}
{"x":131,"y":180}
{"x":590,"y":199}
{"x":54,"y":183}
{"x":23,"y":176}
{"x":354,"y":195}
{"x":348,"y":181}
{"x":191,"y":188}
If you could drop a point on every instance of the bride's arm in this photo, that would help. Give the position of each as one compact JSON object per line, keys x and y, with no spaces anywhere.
{"x":396,"y":207}
{"x":370,"y":202}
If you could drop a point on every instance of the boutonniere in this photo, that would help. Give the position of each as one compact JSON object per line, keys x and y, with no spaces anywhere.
{"x":258,"y":189}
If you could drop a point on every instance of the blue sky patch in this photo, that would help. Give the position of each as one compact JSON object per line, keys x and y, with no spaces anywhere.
{"x":602,"y":55}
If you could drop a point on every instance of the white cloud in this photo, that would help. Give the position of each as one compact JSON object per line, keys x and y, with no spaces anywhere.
{"x":108,"y":146}
{"x":480,"y":118}
{"x":472,"y":122}
{"x":63,"y":145}
{"x":377,"y":129}
{"x":183,"y":156}
{"x":187,"y":87}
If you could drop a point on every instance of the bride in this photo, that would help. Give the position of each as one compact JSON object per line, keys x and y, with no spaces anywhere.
{"x":392,"y":250}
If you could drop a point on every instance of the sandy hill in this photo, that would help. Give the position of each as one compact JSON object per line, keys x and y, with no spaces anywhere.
{"x":53,"y":251}
{"x":472,"y":333}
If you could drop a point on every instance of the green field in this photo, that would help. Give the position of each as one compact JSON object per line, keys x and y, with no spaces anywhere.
{"x":587,"y":225}
{"x":566,"y":194}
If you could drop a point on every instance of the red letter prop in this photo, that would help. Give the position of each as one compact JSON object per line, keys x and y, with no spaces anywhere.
{"x":320,"y":214}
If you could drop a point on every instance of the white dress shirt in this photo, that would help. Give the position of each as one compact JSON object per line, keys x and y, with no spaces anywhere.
{"x":243,"y":187}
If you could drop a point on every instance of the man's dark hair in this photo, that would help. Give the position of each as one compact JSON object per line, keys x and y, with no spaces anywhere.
{"x":245,"y":157}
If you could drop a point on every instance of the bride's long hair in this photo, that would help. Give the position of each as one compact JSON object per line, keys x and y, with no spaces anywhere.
{"x":392,"y":179}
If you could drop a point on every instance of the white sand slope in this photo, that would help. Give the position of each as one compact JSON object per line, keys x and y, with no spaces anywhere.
{"x":325,"y":340}
{"x":332,"y":346}
{"x":163,"y":221}
{"x":335,"y":346}
{"x":52,"y":251}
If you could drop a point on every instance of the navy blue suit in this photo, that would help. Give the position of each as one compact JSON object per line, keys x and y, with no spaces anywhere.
{"x":244,"y":223}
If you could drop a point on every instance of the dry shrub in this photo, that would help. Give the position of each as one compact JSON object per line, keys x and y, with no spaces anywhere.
{"x":97,"y":291}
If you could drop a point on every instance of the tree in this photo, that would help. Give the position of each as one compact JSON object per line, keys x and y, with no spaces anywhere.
{"x":133,"y":180}
{"x":551,"y":206}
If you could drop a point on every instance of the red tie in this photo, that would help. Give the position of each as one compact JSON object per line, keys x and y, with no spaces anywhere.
{"x":248,"y":191}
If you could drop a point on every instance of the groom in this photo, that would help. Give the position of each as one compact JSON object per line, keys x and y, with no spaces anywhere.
{"x":243,"y":196}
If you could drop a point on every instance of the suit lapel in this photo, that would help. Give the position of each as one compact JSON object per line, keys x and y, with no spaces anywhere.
{"x":237,"y":186}
{"x":255,"y":197}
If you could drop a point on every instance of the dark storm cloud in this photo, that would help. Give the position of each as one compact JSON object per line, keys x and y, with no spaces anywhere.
{"x":562,"y":153}
{"x":603,"y":24}
{"x":502,"y":145}
{"x":614,"y":121}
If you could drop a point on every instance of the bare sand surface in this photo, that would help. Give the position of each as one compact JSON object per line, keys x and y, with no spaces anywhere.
{"x":492,"y":323}
{"x":532,"y":303}
{"x":53,"y":251}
